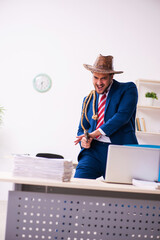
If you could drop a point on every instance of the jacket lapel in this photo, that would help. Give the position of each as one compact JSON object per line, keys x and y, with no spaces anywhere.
{"x":110,"y":94}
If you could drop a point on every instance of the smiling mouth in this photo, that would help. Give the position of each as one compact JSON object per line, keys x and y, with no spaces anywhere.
{"x":100,"y":87}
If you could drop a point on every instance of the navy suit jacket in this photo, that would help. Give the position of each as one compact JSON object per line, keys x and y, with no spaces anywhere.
{"x":120,"y":112}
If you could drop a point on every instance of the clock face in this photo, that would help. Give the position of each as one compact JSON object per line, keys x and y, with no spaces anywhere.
{"x":42,"y":82}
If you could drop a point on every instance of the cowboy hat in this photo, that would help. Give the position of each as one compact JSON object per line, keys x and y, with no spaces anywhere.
{"x":103,"y":64}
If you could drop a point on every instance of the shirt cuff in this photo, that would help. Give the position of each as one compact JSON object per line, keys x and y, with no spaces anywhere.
{"x":101,"y":131}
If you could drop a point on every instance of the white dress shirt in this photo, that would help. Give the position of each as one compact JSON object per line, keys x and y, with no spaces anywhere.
{"x":103,"y":137}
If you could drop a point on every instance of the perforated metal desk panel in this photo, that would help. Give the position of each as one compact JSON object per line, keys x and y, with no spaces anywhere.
{"x":83,"y":210}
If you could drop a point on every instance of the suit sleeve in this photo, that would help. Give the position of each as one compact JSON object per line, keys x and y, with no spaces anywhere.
{"x":85,"y":123}
{"x":125,"y":111}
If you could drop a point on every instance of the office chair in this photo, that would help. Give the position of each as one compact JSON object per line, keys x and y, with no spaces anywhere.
{"x":35,"y":188}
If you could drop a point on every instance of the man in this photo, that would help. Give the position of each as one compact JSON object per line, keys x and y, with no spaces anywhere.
{"x":108,"y":117}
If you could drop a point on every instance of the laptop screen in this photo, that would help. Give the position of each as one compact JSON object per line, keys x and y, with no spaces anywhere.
{"x":127,"y":162}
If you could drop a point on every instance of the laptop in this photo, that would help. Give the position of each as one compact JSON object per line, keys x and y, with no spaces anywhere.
{"x":125,"y":163}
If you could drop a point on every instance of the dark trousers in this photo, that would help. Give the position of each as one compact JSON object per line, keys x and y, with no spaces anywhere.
{"x":92,"y":161}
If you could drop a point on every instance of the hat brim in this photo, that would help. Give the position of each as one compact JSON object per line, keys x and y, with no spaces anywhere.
{"x":94,"y":69}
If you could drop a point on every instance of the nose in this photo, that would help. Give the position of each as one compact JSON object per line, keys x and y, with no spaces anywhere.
{"x":99,"y":82}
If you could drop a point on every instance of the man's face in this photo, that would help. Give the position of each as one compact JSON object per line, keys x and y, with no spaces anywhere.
{"x":101,"y":81}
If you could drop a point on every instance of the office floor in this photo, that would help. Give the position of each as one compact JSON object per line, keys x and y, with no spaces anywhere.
{"x":3,"y":214}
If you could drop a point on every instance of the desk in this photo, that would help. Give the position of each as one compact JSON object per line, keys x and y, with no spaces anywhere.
{"x":82,"y":210}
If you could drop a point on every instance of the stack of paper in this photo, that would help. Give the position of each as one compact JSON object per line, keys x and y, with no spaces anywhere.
{"x":57,"y":169}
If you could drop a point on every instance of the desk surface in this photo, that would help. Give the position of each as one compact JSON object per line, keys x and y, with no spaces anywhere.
{"x":76,"y":183}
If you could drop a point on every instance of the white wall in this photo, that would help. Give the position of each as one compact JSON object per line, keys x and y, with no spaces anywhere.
{"x":56,"y":37}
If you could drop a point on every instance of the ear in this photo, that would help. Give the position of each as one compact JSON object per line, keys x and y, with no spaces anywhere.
{"x":111,"y":76}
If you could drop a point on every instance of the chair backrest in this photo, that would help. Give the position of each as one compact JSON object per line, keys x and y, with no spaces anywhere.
{"x":49,"y":155}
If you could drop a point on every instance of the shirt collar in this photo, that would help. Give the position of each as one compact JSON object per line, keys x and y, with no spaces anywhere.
{"x":108,"y":89}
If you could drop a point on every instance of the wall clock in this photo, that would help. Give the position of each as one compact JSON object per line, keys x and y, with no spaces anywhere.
{"x":42,"y":83}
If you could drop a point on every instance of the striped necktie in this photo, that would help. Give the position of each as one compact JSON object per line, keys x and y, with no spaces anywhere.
{"x":101,"y":108}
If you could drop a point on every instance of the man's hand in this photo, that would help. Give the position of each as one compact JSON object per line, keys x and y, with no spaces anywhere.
{"x":78,"y":139}
{"x":84,"y":142}
{"x":95,"y":134}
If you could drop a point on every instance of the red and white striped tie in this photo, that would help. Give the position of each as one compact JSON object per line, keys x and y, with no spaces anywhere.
{"x":101,"y":108}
